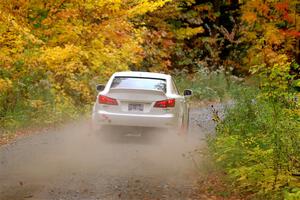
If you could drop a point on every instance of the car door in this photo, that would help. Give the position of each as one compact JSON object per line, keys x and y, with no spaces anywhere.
{"x":181,"y":108}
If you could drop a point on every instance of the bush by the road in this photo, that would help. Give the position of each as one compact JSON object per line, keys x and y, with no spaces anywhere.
{"x":208,"y":86}
{"x":258,"y":145}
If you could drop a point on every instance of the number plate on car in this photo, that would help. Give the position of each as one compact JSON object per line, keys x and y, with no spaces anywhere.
{"x":136,"y":107}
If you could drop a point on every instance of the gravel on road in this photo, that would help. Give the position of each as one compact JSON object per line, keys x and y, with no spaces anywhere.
{"x":71,"y":163}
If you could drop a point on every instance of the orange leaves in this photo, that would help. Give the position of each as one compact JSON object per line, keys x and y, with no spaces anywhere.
{"x":273,"y":20}
{"x":291,"y":33}
{"x":282,"y":6}
{"x":68,"y":13}
{"x":272,"y":48}
{"x":204,"y":7}
{"x":254,"y":9}
{"x":249,"y":17}
{"x":167,"y":43}
{"x":268,"y":10}
{"x":270,"y":30}
{"x":264,"y":9}
{"x":284,"y":10}
{"x":288,"y":17}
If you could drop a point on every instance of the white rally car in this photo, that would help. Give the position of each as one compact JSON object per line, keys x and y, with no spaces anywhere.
{"x":141,"y":99}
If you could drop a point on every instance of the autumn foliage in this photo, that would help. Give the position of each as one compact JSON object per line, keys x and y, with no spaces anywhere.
{"x":53,"y":52}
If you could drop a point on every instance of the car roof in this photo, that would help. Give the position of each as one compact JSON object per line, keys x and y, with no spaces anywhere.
{"x":143,"y":74}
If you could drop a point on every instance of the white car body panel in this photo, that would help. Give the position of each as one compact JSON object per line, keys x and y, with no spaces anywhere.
{"x":143,"y":100}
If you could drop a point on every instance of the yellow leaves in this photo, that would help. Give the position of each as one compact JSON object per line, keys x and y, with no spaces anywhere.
{"x":283,"y":61}
{"x":13,"y":39}
{"x":127,"y":9}
{"x":12,"y":42}
{"x":274,"y":76}
{"x":37,"y":104}
{"x":184,"y":33}
{"x":5,"y":85}
{"x":272,"y":35}
{"x":18,"y":29}
{"x":71,"y":44}
{"x":58,"y":55}
{"x":81,"y":88}
{"x":116,"y":45}
{"x":66,"y":68}
{"x":112,"y":5}
{"x":145,"y":6}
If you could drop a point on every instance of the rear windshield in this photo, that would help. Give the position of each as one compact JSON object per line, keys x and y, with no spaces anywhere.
{"x":139,"y":83}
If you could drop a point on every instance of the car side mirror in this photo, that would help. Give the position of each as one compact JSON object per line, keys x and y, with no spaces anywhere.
{"x":187,"y":93}
{"x":100,"y":87}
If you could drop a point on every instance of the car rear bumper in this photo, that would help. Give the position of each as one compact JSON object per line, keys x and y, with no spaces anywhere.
{"x":129,"y":119}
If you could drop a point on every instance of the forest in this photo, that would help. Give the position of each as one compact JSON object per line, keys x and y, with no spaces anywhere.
{"x":54,"y":52}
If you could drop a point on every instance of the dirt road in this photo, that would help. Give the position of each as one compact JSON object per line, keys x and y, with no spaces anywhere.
{"x":73,"y":164}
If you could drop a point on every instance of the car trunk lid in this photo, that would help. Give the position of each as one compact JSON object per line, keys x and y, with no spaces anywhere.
{"x":136,"y":100}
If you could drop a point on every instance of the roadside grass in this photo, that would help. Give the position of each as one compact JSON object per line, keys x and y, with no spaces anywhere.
{"x":208,"y":89}
{"x":214,"y":185}
{"x":258,"y":145}
{"x":38,"y":112}
{"x":213,"y":182}
{"x":255,"y":150}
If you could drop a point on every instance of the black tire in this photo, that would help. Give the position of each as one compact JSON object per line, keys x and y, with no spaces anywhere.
{"x":184,"y":129}
{"x":188,"y":121}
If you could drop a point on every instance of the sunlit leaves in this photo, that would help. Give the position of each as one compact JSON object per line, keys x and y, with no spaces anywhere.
{"x":249,"y":17}
{"x":5,"y":85}
{"x":183,"y":33}
{"x":272,"y":35}
{"x":146,"y":6}
{"x":55,"y":51}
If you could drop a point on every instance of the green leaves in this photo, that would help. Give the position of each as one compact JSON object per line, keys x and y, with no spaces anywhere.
{"x":258,"y":144}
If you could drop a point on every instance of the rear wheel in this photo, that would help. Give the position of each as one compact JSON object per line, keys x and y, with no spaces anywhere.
{"x":184,"y":127}
{"x":94,"y":129}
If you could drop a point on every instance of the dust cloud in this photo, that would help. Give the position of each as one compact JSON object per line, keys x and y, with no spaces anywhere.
{"x":74,"y":163}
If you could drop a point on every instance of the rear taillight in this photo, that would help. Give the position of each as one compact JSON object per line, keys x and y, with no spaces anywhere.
{"x":107,"y":100}
{"x":165,"y":103}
